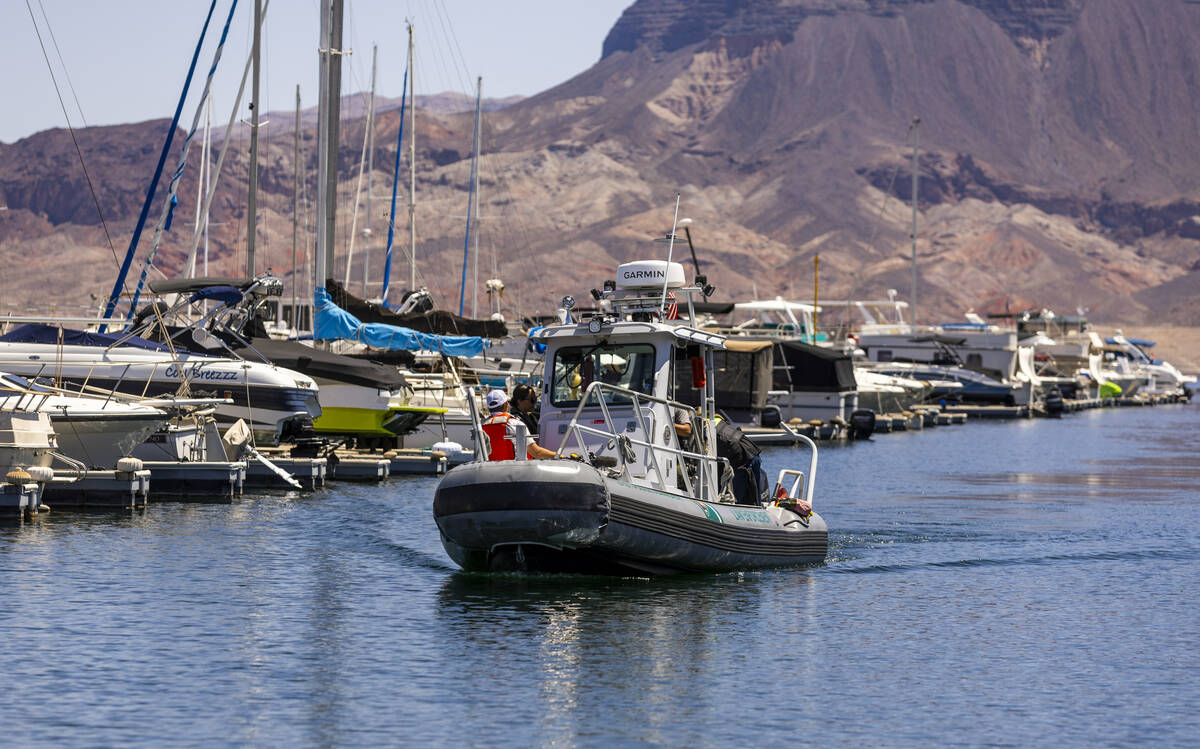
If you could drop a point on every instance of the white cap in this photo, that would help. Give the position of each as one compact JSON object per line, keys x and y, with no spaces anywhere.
{"x":496,"y":399}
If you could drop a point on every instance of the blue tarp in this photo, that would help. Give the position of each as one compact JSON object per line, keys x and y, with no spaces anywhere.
{"x":37,"y":333}
{"x":335,"y":323}
{"x":538,"y":346}
{"x":1143,"y":343}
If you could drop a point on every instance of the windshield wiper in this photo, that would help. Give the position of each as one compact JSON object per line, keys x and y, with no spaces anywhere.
{"x":559,"y":379}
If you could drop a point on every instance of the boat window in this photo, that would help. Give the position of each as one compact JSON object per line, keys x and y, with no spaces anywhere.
{"x":629,"y":366}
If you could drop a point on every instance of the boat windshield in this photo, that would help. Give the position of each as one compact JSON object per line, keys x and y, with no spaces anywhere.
{"x":629,"y":366}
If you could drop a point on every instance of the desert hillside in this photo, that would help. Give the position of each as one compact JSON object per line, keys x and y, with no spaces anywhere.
{"x":1056,"y":166}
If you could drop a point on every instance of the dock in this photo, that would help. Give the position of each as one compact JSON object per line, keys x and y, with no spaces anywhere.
{"x":349,"y":466}
{"x":310,"y":472}
{"x":209,"y":481}
{"x":19,"y":500}
{"x":990,"y":412}
{"x":99,"y":490}
{"x":417,"y":462}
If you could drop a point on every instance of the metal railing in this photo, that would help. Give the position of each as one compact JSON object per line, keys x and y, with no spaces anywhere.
{"x":707,"y":467}
{"x":809,"y":481}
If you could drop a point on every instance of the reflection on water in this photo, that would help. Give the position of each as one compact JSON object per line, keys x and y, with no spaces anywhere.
{"x":994,"y":583}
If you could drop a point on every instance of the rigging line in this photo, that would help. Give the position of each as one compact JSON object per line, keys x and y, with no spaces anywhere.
{"x":455,"y":55}
{"x":387,"y":266}
{"x":164,"y":221}
{"x":71,"y":130}
{"x":62,"y":63}
{"x":215,"y":172}
{"x":441,"y":55}
{"x":878,"y":220}
{"x":111,"y":304}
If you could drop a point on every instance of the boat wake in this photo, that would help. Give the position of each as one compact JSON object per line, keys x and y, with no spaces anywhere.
{"x":1172,"y":554}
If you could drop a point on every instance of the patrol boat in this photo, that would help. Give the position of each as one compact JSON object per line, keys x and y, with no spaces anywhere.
{"x":625,"y":494}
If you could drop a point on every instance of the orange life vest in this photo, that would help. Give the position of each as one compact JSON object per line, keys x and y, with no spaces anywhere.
{"x":496,"y":428}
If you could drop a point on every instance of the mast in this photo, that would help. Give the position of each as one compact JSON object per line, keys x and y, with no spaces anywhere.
{"x":295,"y":210}
{"x":912,"y":315}
{"x":816,"y":298}
{"x":252,"y":202}
{"x":366,"y":232}
{"x":475,"y":187}
{"x":412,"y":167}
{"x":322,"y":152}
{"x":328,"y":136}
{"x":201,"y":222}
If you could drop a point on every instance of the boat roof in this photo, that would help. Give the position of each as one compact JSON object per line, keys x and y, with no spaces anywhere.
{"x":623,"y":328}
{"x":774,"y":305}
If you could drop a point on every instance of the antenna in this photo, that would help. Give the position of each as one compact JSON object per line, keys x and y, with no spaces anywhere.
{"x":662,"y":305}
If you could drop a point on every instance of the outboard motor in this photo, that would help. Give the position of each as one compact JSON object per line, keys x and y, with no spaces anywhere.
{"x":862,"y":424}
{"x":1054,"y":402}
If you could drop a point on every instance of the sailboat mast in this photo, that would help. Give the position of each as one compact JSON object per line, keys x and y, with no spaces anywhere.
{"x":913,"y":299}
{"x":475,"y":187}
{"x":325,"y":55}
{"x":296,"y":210}
{"x":332,"y":72}
{"x":202,"y":176}
{"x":207,"y":180}
{"x":252,"y":202}
{"x":412,"y":167}
{"x":370,"y":171}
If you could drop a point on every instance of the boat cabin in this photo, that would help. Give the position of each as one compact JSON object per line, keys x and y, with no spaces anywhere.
{"x":610,"y":380}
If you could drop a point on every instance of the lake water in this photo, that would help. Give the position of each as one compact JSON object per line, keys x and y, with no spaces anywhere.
{"x":1011,"y":583}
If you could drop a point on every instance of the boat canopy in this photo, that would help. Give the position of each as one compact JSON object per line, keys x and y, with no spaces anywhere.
{"x":748,"y":346}
{"x":190,"y":285}
{"x":40,"y":333}
{"x":813,"y":368}
{"x":335,"y":323}
{"x":1139,"y":342}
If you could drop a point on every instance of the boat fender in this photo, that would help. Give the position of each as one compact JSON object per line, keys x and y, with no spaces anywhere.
{"x":129,"y":464}
{"x":17,"y":476}
{"x":40,"y":474}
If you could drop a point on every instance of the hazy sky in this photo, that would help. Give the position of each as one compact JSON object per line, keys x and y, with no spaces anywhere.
{"x":127,"y":59}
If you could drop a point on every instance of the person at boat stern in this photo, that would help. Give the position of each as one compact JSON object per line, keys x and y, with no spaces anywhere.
{"x":501,"y":429}
{"x":745,"y":458}
{"x":525,"y":407}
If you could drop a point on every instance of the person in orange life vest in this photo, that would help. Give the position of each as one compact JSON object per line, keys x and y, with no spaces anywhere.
{"x":501,"y":429}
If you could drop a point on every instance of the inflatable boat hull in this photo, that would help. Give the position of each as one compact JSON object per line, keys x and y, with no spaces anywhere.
{"x":566,"y":516}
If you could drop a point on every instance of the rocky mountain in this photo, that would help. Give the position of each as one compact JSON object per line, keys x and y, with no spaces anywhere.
{"x":1056,"y":164}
